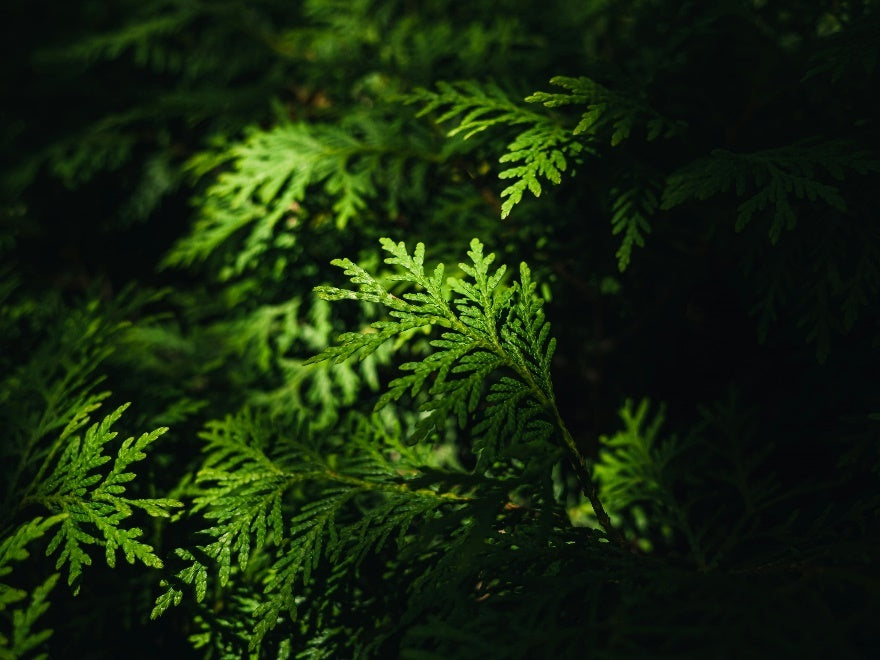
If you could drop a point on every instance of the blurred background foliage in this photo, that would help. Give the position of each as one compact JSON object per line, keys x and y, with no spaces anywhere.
{"x":693,"y":184}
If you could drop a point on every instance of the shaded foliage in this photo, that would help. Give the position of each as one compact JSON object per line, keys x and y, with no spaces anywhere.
{"x":415,"y":464}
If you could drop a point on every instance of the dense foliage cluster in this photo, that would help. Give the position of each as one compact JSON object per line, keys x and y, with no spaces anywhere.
{"x":416,"y":463}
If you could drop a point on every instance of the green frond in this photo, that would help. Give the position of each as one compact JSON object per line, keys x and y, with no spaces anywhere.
{"x":244,"y":492}
{"x":511,"y":415}
{"x":276,"y":179}
{"x":13,"y":547}
{"x":270,"y":342}
{"x":632,"y":462}
{"x":487,"y":327}
{"x":318,"y":535}
{"x":543,"y":151}
{"x":476,"y":106}
{"x":139,"y":37}
{"x":241,"y":493}
{"x":25,"y":639}
{"x":635,"y":473}
{"x":76,"y":490}
{"x":312,"y":531}
{"x":540,"y":152}
{"x":610,"y":116}
{"x":630,"y":213}
{"x":768,"y":181}
{"x":491,"y":330}
{"x":57,"y":463}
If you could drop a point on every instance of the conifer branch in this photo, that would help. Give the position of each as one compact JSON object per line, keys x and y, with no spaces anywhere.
{"x":86,"y":499}
{"x":241,"y":489}
{"x":489,"y":327}
{"x":268,"y":176}
{"x":768,"y":181}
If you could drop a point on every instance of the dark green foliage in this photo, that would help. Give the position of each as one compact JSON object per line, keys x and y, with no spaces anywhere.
{"x":630,"y":211}
{"x":64,"y":480}
{"x":24,"y":638}
{"x":415,"y":463}
{"x":776,"y":174}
